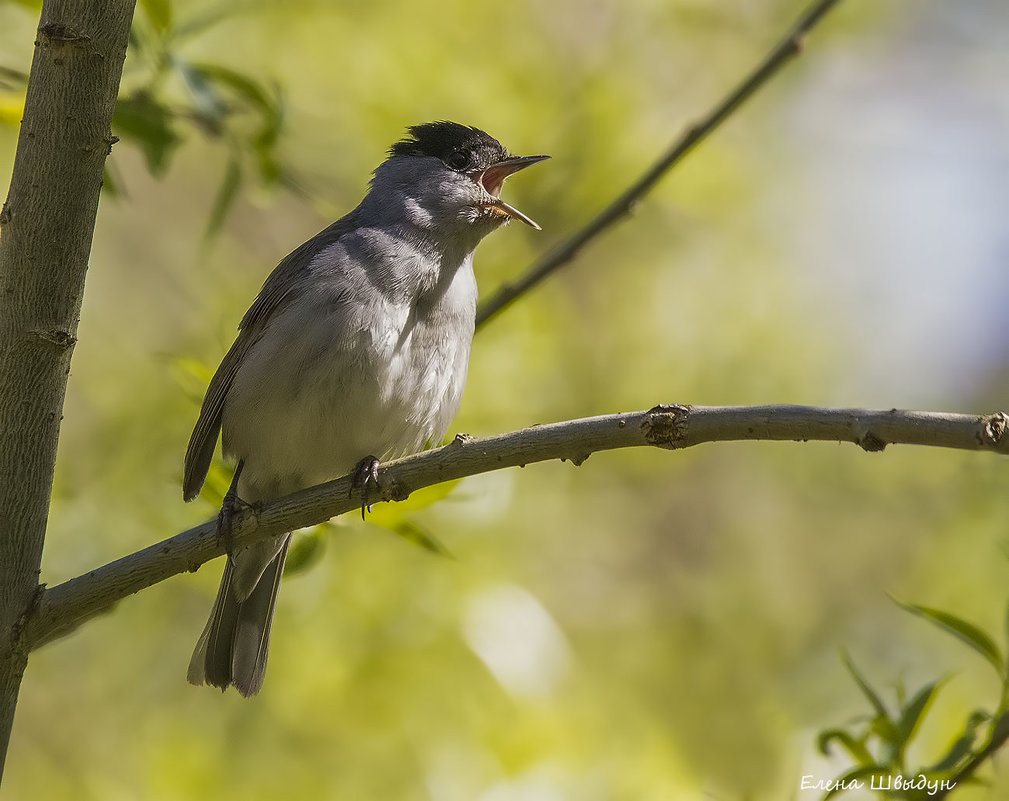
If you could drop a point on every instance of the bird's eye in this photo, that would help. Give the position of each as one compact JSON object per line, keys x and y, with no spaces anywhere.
{"x":457,"y":160}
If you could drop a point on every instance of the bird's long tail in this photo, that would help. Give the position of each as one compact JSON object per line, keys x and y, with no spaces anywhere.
{"x":235,"y":644}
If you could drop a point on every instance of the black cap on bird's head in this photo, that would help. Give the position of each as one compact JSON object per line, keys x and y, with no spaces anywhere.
{"x":442,"y":139}
{"x":471,"y":152}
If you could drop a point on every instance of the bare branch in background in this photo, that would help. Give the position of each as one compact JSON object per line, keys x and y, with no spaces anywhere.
{"x":789,"y":47}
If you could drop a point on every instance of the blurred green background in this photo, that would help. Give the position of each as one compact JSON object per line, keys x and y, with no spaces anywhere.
{"x":650,"y":625}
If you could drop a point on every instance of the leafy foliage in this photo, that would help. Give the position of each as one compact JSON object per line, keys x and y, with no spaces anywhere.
{"x":218,"y":103}
{"x":878,"y":743}
{"x":153,"y":115}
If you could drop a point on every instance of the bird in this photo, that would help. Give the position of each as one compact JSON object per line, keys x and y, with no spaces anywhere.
{"x":355,"y":350}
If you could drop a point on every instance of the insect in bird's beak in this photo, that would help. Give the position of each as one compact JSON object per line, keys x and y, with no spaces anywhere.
{"x":493,"y":178}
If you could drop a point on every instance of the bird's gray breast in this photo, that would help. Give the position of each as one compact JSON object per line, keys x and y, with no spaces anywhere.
{"x":368,"y":358}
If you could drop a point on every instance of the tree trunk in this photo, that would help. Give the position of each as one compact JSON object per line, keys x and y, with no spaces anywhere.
{"x":46,"y":227}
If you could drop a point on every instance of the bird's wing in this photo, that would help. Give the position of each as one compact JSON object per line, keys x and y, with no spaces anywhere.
{"x":286,"y":281}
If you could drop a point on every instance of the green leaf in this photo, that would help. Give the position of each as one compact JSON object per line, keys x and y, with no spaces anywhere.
{"x":418,"y":536}
{"x":886,"y":730}
{"x":241,"y":85}
{"x":414,"y":534}
{"x":389,"y":514}
{"x":142,"y":120}
{"x":910,"y":716}
{"x":266,"y":102}
{"x":962,"y":746}
{"x":856,"y":748}
{"x":264,"y":146}
{"x":209,"y":81}
{"x":964,"y":631}
{"x":429,"y":496}
{"x":225,"y":198}
{"x":306,"y":550}
{"x":1000,"y":728}
{"x":210,"y":108}
{"x":159,"y":12}
{"x":265,"y":142}
{"x":863,"y":685}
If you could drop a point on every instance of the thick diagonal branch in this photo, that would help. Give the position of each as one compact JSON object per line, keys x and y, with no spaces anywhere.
{"x":65,"y":606}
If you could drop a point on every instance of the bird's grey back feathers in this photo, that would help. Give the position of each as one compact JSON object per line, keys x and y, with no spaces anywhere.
{"x":279,"y":285}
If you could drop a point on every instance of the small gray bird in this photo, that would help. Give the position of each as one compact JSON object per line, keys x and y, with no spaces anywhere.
{"x":355,"y":350}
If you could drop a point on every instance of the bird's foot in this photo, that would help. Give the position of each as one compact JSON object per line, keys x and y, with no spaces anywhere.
{"x":365,"y":479}
{"x":231,"y":507}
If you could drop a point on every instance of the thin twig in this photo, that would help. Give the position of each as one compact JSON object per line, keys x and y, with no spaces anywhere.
{"x":65,"y":606}
{"x":789,"y":47}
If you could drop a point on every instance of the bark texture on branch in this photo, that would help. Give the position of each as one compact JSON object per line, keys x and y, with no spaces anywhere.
{"x":65,"y":606}
{"x":46,"y":228}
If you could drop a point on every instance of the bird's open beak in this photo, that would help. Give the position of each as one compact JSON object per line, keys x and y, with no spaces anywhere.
{"x":493,"y":178}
